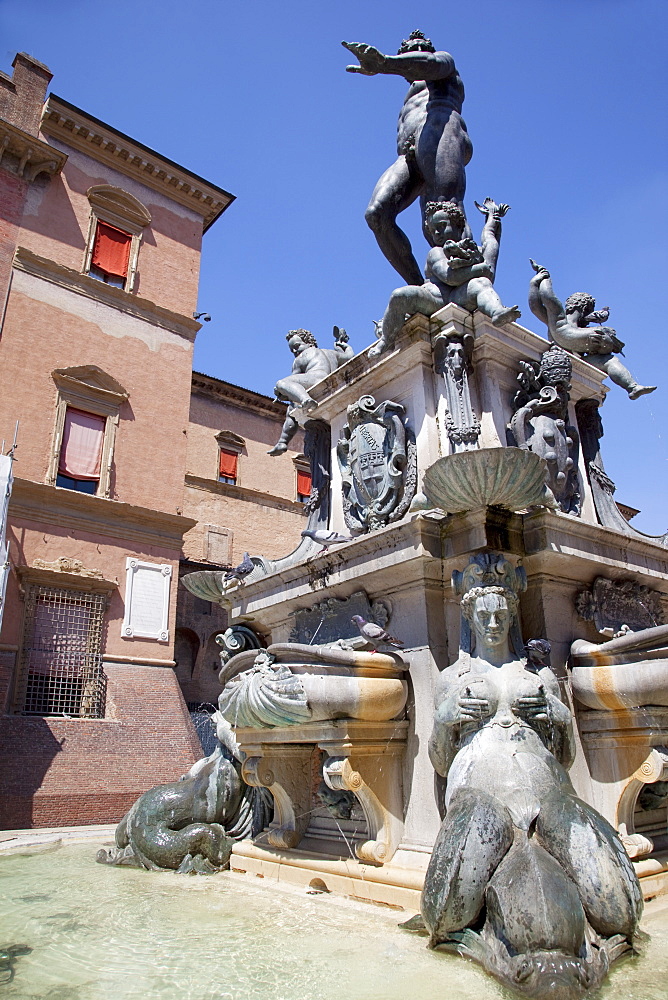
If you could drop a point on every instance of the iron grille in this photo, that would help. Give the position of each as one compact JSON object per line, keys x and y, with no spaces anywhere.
{"x":61,"y":661}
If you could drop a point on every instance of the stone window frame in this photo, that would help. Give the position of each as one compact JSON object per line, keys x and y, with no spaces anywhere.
{"x":121,"y":209}
{"x":229,"y":441}
{"x":90,"y":389}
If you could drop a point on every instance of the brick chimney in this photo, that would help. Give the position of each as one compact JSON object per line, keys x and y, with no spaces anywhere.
{"x":22,"y":95}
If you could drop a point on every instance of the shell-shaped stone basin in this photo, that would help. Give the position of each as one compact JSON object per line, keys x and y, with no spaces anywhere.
{"x":292,"y":683}
{"x":501,"y":477}
{"x":611,"y":683}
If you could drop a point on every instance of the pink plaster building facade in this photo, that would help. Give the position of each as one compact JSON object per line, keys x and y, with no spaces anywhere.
{"x":242,"y":500}
{"x":117,"y":472}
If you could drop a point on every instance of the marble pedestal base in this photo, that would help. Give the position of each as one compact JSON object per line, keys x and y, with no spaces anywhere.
{"x":364,"y":758}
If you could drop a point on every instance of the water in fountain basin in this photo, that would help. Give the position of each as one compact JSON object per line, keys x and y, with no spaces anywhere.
{"x":114,"y":934}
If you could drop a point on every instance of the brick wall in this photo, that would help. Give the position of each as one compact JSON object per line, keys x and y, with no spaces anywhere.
{"x":12,"y":199}
{"x":57,"y":772}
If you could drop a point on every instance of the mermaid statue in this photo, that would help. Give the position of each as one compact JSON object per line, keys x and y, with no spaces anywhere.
{"x":525,"y":877}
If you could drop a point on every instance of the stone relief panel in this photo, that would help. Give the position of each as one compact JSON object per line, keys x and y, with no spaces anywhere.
{"x":332,"y":619}
{"x":620,"y":605}
{"x":378,"y":461}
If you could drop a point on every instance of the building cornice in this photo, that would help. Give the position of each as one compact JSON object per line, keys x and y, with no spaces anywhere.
{"x":82,"y":512}
{"x":243,"y":493}
{"x":115,"y":298}
{"x":29,"y":156}
{"x":207,"y":385}
{"x":71,"y":125}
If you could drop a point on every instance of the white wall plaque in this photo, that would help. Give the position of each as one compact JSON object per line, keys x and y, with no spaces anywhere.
{"x":146,"y":600}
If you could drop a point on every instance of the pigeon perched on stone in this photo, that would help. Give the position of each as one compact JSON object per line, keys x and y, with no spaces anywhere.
{"x":538,"y":654}
{"x":374,"y":634}
{"x":240,"y":571}
{"x":326,"y":538}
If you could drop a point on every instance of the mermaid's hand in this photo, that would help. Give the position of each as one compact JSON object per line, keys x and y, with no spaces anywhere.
{"x":533,"y":707}
{"x":473,"y":709}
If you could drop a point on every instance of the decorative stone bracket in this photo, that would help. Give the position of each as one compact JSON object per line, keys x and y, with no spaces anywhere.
{"x":375,"y":780}
{"x":363,"y":758}
{"x":654,"y":768}
{"x":286,"y":772}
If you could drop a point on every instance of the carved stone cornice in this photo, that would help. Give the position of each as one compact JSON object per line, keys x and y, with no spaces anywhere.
{"x":83,"y":512}
{"x":65,"y":572}
{"x":228,"y":439}
{"x":207,"y":385}
{"x":342,"y":387}
{"x":90,"y":381}
{"x":74,"y":127}
{"x":115,"y":298}
{"x":243,"y":493}
{"x":504,"y":346}
{"x":28,"y":156}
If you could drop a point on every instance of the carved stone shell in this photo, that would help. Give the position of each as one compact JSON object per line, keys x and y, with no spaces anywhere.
{"x":500,"y":477}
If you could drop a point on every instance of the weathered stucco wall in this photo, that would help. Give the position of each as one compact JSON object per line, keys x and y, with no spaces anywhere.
{"x":49,"y":327}
{"x":57,"y":219}
{"x":260,"y":513}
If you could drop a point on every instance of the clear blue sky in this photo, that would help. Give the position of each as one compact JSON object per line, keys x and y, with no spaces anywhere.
{"x":565,"y":104}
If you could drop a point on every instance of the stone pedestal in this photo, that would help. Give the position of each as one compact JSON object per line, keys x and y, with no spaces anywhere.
{"x":408,"y":565}
{"x":364,"y":758}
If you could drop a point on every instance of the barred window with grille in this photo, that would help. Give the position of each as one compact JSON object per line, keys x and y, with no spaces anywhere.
{"x":61,"y":661}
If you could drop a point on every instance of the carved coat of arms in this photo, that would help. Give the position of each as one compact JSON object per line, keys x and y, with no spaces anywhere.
{"x":378,"y":463}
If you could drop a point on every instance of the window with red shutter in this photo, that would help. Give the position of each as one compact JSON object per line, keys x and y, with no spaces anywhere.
{"x":111,"y":254}
{"x":227,"y":466}
{"x":303,"y":486}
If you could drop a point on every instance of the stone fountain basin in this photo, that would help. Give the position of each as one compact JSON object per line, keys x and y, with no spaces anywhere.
{"x":333,"y":683}
{"x":502,"y":477}
{"x":614,"y":682}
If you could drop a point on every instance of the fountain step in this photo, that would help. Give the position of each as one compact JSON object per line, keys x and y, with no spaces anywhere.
{"x":388,"y":885}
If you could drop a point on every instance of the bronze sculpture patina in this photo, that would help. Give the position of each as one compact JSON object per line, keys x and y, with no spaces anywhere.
{"x":568,"y":325}
{"x":433,"y":146}
{"x":311,"y":364}
{"x":525,"y":877}
{"x":458,"y":270}
{"x":191,"y":825}
{"x":540,"y":423}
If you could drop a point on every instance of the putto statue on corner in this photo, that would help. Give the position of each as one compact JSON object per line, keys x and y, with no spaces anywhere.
{"x":311,"y":364}
{"x":458,"y":270}
{"x":568,"y":326}
{"x":433,"y":146}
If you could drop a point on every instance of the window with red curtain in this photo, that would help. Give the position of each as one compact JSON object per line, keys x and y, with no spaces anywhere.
{"x":111,"y":250}
{"x":303,"y":485}
{"x":81,"y":450}
{"x":227,"y":466}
